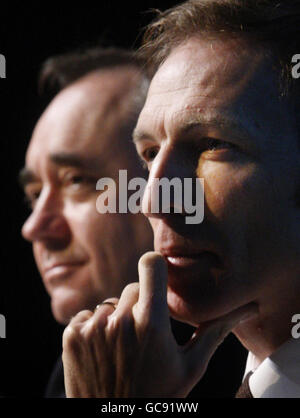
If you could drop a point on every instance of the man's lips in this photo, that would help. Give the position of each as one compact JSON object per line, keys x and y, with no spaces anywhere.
{"x":184,"y":257}
{"x":190,"y":260}
{"x":59,"y":270}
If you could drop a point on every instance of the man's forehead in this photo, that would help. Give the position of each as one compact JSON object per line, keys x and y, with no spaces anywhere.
{"x":97,"y":94}
{"x":91,"y":96}
{"x":196,"y":72}
{"x":199,"y":77}
{"x":199,"y":61}
{"x":83,"y":115}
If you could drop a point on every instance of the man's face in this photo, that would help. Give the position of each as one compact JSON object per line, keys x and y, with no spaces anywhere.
{"x":212,"y":112}
{"x":84,"y":135}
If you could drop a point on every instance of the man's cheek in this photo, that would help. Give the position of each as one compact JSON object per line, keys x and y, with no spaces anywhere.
{"x":37,"y":253}
{"x":233,"y":192}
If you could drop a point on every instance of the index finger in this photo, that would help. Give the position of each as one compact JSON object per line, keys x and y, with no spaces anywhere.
{"x":153,"y":277}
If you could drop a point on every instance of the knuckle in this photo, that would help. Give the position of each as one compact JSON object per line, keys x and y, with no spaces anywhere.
{"x":120,"y":326}
{"x":91,"y":330}
{"x":72,"y":338}
{"x":118,"y":321}
{"x":149,"y":326}
{"x":85,"y":314}
{"x":80,"y":317}
{"x":131,"y":288}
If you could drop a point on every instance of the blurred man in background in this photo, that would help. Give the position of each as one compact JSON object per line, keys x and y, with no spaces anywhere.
{"x":84,"y":135}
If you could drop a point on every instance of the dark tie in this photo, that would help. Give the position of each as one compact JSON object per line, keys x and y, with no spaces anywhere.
{"x":244,"y":390}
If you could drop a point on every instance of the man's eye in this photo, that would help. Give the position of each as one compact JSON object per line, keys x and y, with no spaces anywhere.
{"x":31,"y":199}
{"x":77,"y":179}
{"x":150,"y":153}
{"x":78,"y":182}
{"x":217,"y":144}
{"x":74,"y":179}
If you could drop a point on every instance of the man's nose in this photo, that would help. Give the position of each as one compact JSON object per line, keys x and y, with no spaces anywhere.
{"x":164,"y":194}
{"x":47,"y":221}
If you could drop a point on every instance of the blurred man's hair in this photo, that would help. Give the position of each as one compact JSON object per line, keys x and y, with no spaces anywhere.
{"x":62,"y":70}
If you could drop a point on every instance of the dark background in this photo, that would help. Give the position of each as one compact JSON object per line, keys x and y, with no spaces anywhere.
{"x":29,"y":35}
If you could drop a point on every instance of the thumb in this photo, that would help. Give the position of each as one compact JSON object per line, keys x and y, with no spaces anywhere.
{"x":206,"y":339}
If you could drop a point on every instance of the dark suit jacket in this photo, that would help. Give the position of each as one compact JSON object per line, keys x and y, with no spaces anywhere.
{"x":56,"y":387}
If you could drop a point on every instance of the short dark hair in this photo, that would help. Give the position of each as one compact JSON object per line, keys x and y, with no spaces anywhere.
{"x":62,"y":70}
{"x":271,"y":23}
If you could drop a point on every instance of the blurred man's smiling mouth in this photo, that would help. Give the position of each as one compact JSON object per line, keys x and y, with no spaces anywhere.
{"x":60,"y":270}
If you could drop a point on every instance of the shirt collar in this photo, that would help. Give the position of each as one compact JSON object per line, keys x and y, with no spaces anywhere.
{"x":278,"y":376}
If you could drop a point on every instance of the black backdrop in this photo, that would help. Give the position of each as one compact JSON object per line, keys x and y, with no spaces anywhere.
{"x":28,"y":35}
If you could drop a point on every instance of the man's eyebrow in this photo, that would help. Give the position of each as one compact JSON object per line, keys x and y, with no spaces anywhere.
{"x":25,"y":177}
{"x":224,"y":122}
{"x":201,"y":121}
{"x":139,"y":135}
{"x":75,"y":160}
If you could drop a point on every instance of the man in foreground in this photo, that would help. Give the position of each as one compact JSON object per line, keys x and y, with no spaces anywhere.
{"x":84,"y":135}
{"x":221,"y":106}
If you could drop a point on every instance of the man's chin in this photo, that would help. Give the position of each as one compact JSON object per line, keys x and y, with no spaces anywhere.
{"x":194,"y":310}
{"x":62,"y":314}
{"x":182,"y":311}
{"x":65,"y":305}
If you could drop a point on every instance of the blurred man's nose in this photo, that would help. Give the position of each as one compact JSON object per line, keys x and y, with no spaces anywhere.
{"x":164,"y":194}
{"x":47,"y":222}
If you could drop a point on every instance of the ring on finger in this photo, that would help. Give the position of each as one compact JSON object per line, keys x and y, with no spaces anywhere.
{"x":114,"y":305}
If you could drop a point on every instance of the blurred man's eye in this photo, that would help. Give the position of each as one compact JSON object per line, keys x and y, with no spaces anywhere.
{"x":79,"y":181}
{"x":31,"y":198}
